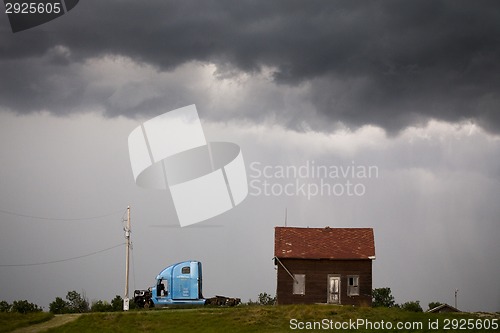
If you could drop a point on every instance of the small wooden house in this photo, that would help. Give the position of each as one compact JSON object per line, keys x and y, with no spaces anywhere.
{"x":324,"y":265}
{"x":443,"y":308}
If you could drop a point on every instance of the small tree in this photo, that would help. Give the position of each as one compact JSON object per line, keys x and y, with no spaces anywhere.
{"x":117,"y":303}
{"x":266,"y":299}
{"x":100,"y":306}
{"x":382,"y":297}
{"x":59,"y":306}
{"x":4,"y":306}
{"x":77,"y":303}
{"x":24,"y":307}
{"x":413,"y":306}
{"x":433,"y":305}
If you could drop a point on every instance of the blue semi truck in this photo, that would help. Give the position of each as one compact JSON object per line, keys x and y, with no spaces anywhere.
{"x":179,"y":284}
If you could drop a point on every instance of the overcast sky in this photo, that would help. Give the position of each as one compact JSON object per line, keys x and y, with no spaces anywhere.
{"x":411,"y":88}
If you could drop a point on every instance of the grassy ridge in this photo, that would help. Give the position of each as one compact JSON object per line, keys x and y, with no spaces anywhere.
{"x":260,"y":319}
{"x":12,"y":321}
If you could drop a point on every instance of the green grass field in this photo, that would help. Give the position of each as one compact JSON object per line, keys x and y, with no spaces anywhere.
{"x":276,"y":319}
{"x":273,"y":319}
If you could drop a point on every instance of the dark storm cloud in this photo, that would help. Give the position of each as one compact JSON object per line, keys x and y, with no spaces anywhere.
{"x":389,"y":63}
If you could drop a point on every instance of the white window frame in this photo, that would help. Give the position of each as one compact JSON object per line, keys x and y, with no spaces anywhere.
{"x":353,"y":285}
{"x":299,"y":284}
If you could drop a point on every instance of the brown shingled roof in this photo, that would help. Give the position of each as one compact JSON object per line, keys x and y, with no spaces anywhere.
{"x":324,"y":243}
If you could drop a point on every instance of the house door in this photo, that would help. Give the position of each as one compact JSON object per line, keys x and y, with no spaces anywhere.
{"x":334,"y":289}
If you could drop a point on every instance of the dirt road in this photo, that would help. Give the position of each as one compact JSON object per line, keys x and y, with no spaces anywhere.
{"x":58,"y":320}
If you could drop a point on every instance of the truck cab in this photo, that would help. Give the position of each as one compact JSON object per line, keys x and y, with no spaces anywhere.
{"x":180,"y":283}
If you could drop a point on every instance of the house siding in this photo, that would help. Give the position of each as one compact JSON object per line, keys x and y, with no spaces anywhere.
{"x":316,"y":276}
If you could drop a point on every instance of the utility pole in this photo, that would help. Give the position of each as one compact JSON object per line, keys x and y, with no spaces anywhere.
{"x":127,"y":255}
{"x":456,"y":292}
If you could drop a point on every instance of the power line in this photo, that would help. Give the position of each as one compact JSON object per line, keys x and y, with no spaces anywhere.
{"x":62,"y":260}
{"x":4,"y":211}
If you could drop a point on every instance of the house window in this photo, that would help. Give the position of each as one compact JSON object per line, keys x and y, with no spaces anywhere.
{"x":299,"y":284}
{"x":186,"y":270}
{"x":353,"y":285}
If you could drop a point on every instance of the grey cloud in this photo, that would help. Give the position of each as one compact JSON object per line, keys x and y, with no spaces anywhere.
{"x":387,"y":63}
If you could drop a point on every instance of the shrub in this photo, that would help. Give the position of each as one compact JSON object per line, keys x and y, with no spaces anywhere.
{"x":433,"y":305}
{"x":117,"y":303}
{"x":413,"y":306}
{"x":77,"y":303}
{"x":74,"y":303}
{"x":4,"y":306}
{"x":100,"y":306}
{"x":24,"y":307}
{"x":382,"y":297}
{"x":266,"y":299}
{"x":59,"y":306}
